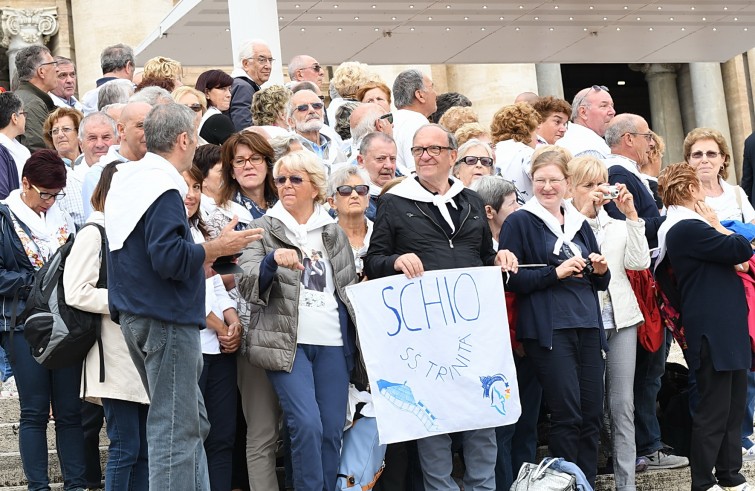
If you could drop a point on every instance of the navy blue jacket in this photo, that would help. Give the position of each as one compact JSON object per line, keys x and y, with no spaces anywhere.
{"x":644,"y":203}
{"x":158,"y":273}
{"x":525,"y":236}
{"x":8,"y":173}
{"x":16,"y":270}
{"x":713,"y":303}
{"x":748,"y":168}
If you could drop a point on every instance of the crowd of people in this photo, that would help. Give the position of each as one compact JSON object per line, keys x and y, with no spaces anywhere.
{"x":236,"y":212}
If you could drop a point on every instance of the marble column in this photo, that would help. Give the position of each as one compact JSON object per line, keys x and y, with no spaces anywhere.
{"x":549,"y":80}
{"x":490,"y":87}
{"x":665,"y":111}
{"x":107,"y":22}
{"x":710,"y":100}
{"x":734,"y":75}
{"x":26,"y":27}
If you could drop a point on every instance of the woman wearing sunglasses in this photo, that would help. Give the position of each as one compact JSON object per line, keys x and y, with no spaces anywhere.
{"x":348,"y":195}
{"x":303,"y":332}
{"x":475,"y":160}
{"x":33,"y":227}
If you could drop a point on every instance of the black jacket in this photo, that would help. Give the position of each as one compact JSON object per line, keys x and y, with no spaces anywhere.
{"x":748,"y":170}
{"x":403,"y":226}
{"x":16,"y":270}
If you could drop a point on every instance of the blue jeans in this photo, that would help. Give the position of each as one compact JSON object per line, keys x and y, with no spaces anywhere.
{"x":6,"y":371}
{"x":749,"y":411}
{"x":647,"y":382}
{"x":517,"y":443}
{"x":39,"y":387}
{"x":127,"y":468}
{"x":218,"y":386}
{"x":313,"y":397}
{"x":571,"y":375}
{"x":168,"y":358}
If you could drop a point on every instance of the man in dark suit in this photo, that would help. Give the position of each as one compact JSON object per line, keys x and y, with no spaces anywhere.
{"x":257,"y":62}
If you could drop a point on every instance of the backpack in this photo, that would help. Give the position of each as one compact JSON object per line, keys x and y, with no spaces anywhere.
{"x":361,"y":456}
{"x":59,"y":335}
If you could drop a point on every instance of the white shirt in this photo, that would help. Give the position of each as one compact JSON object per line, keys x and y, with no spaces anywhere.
{"x":19,"y":152}
{"x":726,"y":206}
{"x":405,"y":124}
{"x":60,"y":102}
{"x":514,"y":160}
{"x":581,"y":140}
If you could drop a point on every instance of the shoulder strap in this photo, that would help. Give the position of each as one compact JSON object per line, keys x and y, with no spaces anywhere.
{"x":737,"y":192}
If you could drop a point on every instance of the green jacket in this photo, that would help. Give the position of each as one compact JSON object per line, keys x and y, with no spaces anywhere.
{"x":38,"y":105}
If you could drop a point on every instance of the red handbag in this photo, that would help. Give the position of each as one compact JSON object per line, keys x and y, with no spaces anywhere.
{"x":651,"y":332}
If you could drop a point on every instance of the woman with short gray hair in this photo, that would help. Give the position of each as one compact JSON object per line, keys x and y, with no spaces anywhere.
{"x":348,"y":195}
{"x":475,"y":160}
{"x":501,"y":199}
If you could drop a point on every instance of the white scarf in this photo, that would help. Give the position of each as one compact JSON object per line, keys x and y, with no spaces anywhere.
{"x":207,"y":205}
{"x":572,"y":223}
{"x":295,"y":231}
{"x":412,"y":189}
{"x":46,"y":229}
{"x":375,"y":190}
{"x":674,"y":215}
{"x":135,"y":187}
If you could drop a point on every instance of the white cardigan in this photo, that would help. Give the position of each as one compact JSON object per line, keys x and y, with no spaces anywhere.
{"x":625,"y":248}
{"x":82,"y":271}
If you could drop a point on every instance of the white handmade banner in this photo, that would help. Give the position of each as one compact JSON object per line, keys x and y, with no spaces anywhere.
{"x":437,"y":352}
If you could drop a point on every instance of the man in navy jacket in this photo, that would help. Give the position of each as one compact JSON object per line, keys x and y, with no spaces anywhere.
{"x":630,"y":140}
{"x":156,"y":283}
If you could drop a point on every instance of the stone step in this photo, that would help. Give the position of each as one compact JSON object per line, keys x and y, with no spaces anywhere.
{"x":9,"y":437}
{"x":12,"y":473}
{"x":665,"y":479}
{"x":9,"y":409}
{"x":25,"y":488}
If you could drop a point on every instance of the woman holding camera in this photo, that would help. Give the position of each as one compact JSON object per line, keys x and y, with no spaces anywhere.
{"x":559,"y":320}
{"x":625,"y":247}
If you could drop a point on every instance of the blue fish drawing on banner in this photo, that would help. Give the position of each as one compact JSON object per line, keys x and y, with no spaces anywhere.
{"x":498,"y":389}
{"x":401,"y":396}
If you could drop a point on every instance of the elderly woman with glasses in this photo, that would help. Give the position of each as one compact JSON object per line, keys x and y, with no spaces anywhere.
{"x":304,"y":334}
{"x":60,"y":132}
{"x":33,"y":228}
{"x":348,"y":195}
{"x":13,"y":155}
{"x":559,"y":322}
{"x":706,"y":150}
{"x":474,"y":161}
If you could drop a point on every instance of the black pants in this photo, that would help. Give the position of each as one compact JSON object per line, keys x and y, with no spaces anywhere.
{"x":717,"y":425}
{"x":218,"y":386}
{"x":571,"y":375}
{"x":92,"y":417}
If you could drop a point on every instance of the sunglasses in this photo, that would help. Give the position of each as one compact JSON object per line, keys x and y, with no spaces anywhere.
{"x":194,"y":107}
{"x":315,"y":105}
{"x":388,"y":116}
{"x":346,"y":190}
{"x":596,"y":88}
{"x":470,"y":160}
{"x":280,"y":181}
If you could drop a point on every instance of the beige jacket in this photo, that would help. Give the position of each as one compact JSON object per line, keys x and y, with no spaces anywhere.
{"x":80,"y":277}
{"x":271,"y":339}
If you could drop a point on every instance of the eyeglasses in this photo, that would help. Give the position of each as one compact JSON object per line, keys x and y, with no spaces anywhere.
{"x":262,"y":60}
{"x":305,"y":107}
{"x":470,"y":160}
{"x":48,"y":196}
{"x":316,"y":67}
{"x":49,"y":63}
{"x":388,"y":116}
{"x":321,"y":97}
{"x":255,"y":160}
{"x":648,"y":136}
{"x":432,"y":150}
{"x":64,"y":129}
{"x":544,"y":182}
{"x":710,"y":154}
{"x":280,"y":181}
{"x":346,"y":190}
{"x":596,"y":88}
{"x":21,"y":113}
{"x":196,"y":107}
